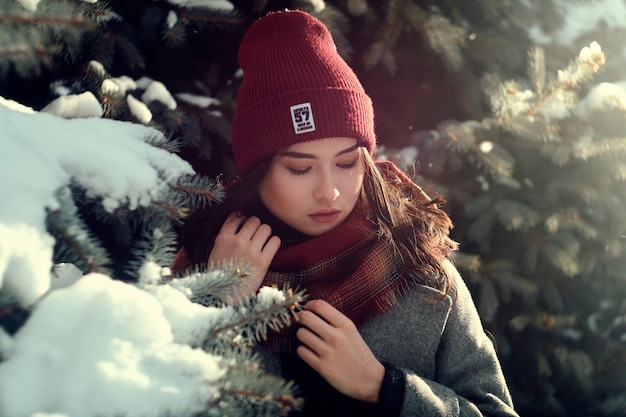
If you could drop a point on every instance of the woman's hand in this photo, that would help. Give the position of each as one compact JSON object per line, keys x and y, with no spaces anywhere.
{"x":333,"y":346}
{"x":249,"y":240}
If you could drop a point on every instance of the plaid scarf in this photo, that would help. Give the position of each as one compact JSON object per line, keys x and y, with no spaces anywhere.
{"x":351,"y":267}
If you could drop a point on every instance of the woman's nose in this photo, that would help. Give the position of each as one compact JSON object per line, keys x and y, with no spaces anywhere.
{"x":326,"y":189}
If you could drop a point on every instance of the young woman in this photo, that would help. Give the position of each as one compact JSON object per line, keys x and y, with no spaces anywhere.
{"x":390,"y":328}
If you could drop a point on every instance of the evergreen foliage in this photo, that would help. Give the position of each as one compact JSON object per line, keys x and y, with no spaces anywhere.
{"x":539,"y":191}
{"x":534,"y":180}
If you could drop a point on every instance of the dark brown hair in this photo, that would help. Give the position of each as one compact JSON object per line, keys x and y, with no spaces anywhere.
{"x":412,"y":222}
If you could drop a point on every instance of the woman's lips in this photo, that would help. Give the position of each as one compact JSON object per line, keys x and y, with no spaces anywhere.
{"x":325,"y":216}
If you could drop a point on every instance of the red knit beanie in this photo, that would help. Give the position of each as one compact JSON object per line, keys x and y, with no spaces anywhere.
{"x":296,"y":88}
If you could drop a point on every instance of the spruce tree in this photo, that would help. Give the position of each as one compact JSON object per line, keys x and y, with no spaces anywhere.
{"x":463,"y":96}
{"x":538,"y":189}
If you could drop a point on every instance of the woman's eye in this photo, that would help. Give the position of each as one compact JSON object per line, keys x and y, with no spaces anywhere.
{"x":299,"y":171}
{"x":348,"y":165}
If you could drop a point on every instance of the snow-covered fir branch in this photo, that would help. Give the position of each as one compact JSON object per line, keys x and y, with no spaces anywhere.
{"x":148,"y":347}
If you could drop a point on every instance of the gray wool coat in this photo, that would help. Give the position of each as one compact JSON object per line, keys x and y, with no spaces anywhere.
{"x":449,"y":364}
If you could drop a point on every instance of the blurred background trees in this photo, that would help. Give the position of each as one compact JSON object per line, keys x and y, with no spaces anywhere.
{"x":517,"y":119}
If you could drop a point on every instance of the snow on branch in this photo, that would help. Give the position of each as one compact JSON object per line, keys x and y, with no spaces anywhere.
{"x":43,"y":153}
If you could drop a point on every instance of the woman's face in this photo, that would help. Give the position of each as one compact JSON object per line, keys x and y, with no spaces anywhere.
{"x":313,"y":186}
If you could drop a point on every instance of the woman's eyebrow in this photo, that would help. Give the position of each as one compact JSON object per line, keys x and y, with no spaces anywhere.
{"x":293,"y":154}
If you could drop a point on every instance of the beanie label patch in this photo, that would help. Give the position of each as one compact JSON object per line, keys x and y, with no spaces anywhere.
{"x":302,"y":118}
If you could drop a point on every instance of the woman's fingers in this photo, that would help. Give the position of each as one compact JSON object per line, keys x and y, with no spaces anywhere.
{"x":249,"y":227}
{"x":260,"y":236}
{"x":333,"y":346}
{"x":239,"y":233}
{"x":328,"y":313}
{"x":314,"y":331}
{"x":271,"y":247}
{"x":246,"y":239}
{"x":310,"y":357}
{"x":233,"y":223}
